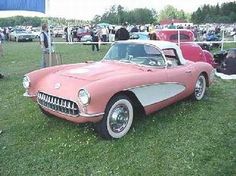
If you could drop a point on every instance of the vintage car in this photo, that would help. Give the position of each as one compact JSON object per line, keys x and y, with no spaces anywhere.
{"x":134,"y":76}
{"x":36,"y":32}
{"x":139,"y":35}
{"x":220,"y":56}
{"x":58,"y":31}
{"x":86,"y":39}
{"x":187,"y":45}
{"x":171,"y":35}
{"x":21,"y":35}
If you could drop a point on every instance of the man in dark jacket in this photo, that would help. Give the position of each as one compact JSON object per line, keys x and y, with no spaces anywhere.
{"x":229,"y":65}
{"x":122,"y":33}
{"x":95,"y":38}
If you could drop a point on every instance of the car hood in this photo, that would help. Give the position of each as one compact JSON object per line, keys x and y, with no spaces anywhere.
{"x":99,"y":70}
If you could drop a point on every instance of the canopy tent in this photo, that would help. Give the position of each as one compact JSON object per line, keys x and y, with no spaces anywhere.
{"x":27,"y":5}
{"x":103,"y":24}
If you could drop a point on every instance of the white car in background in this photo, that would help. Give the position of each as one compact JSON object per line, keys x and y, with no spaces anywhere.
{"x":21,"y":35}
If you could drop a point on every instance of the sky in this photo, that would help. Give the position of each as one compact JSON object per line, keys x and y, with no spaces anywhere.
{"x":87,"y":9}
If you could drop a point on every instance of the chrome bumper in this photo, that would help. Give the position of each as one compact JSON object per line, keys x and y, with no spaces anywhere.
{"x":26,"y":94}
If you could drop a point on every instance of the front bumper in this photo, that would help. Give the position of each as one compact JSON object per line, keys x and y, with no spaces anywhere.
{"x":63,"y":108}
{"x":81,"y":118}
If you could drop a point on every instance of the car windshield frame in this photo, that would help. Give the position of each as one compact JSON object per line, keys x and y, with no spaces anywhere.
{"x":20,"y":31}
{"x":142,"y":54}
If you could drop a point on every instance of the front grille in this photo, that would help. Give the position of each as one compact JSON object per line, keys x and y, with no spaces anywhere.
{"x":58,"y":104}
{"x":27,"y":36}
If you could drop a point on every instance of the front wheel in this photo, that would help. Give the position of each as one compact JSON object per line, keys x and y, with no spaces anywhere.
{"x":117,"y":119}
{"x":200,"y":88}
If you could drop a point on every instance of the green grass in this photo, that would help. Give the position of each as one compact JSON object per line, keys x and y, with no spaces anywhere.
{"x":187,"y":138}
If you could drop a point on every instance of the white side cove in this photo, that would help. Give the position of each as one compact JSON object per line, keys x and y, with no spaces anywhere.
{"x":150,"y":94}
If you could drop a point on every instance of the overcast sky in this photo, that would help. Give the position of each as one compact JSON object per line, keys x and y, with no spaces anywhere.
{"x":87,"y":9}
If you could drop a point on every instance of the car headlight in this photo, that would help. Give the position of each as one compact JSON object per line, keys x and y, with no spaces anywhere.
{"x":26,"y":82}
{"x":84,"y":97}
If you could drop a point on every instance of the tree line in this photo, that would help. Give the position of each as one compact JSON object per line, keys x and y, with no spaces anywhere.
{"x":37,"y":21}
{"x":225,"y":13}
{"x":118,"y":15}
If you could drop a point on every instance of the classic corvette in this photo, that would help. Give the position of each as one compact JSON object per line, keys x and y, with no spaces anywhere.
{"x":134,"y":76}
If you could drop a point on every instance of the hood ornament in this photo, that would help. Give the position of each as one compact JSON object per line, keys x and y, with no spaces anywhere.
{"x":57,"y":86}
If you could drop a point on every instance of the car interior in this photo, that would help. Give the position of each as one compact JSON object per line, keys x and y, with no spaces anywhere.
{"x":172,"y":56}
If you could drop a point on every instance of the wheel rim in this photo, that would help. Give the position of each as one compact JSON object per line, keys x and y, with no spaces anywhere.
{"x":200,"y":87}
{"x":119,"y":118}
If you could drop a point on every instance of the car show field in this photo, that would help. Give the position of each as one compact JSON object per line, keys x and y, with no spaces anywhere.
{"x":187,"y":138}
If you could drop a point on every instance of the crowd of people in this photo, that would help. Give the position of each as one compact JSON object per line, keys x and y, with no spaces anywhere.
{"x":107,"y":33}
{"x":111,"y":33}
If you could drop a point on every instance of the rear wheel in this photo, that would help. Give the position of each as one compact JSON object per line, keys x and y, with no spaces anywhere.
{"x":117,"y":119}
{"x":200,"y":88}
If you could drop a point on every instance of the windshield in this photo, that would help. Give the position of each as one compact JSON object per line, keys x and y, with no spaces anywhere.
{"x":135,"y":53}
{"x":20,"y":31}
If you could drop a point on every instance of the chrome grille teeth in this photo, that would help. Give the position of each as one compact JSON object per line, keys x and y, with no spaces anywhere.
{"x":58,"y":104}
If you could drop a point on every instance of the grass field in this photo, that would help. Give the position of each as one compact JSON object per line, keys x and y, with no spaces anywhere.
{"x":187,"y":138}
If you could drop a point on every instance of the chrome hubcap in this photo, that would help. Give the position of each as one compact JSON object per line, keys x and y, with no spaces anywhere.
{"x":119,"y":118}
{"x":199,"y":88}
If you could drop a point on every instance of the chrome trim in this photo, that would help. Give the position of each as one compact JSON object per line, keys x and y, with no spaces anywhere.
{"x":147,"y":100}
{"x":58,"y":104}
{"x":28,"y":79}
{"x":141,"y":65}
{"x":89,"y":97}
{"x":91,"y":115}
{"x":144,"y":85}
{"x":26,"y":94}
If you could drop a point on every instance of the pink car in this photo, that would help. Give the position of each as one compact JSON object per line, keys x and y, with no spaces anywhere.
{"x":187,"y":36}
{"x":134,"y":76}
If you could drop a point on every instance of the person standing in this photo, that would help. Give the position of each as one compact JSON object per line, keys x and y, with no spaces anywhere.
{"x":1,"y":49}
{"x":112,"y":33}
{"x":1,"y":41}
{"x":104,"y":33}
{"x":45,"y":39}
{"x":172,"y":26}
{"x":95,"y":38}
{"x":122,"y":33}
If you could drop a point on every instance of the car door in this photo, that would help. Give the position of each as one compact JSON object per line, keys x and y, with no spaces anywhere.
{"x":179,"y":75}
{"x":151,"y":85}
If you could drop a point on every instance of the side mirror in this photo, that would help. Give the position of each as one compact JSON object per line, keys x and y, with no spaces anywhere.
{"x":169,"y":63}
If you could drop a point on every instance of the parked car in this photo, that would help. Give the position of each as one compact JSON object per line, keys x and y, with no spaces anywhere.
{"x":187,"y":45}
{"x":36,"y":32}
{"x":134,"y":76}
{"x":82,"y":32}
{"x":139,"y":35}
{"x":172,"y":35}
{"x":213,"y":37}
{"x":220,"y":56}
{"x":86,"y":38}
{"x":21,"y":35}
{"x":58,"y":31}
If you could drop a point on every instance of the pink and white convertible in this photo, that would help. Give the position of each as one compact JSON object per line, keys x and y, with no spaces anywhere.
{"x":134,"y":76}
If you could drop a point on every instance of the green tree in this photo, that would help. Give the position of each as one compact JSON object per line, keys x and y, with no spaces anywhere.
{"x":170,"y":12}
{"x":118,"y":15}
{"x":226,"y":13}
